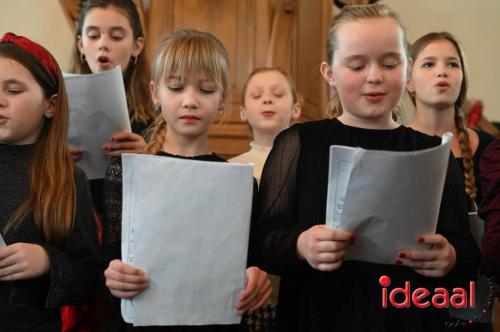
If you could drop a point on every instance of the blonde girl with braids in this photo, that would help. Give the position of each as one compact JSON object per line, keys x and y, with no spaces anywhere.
{"x":438,"y":85}
{"x":189,"y":87}
{"x":51,"y":256}
{"x":366,"y":69}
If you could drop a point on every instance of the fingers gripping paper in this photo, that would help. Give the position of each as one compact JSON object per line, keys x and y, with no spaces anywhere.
{"x":386,"y":198}
{"x":186,"y":224}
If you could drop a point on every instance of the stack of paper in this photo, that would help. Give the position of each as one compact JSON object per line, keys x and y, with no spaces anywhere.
{"x":98,"y":109}
{"x":186,"y":224}
{"x":386,"y":198}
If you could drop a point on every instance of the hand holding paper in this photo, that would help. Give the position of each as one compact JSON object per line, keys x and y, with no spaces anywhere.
{"x":435,"y":261}
{"x":386,"y":198}
{"x":324,"y":248}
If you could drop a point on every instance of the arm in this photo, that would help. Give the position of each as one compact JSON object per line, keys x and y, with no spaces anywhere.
{"x":123,"y":280}
{"x":489,"y":208}
{"x":74,"y":266}
{"x":282,"y":244}
{"x":453,"y":254}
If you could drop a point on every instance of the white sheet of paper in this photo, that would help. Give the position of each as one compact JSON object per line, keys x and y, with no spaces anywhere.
{"x":2,"y":242}
{"x":186,"y":224}
{"x":386,"y":198}
{"x":98,"y":109}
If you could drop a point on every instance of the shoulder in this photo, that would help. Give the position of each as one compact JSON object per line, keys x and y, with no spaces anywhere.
{"x":419,"y":139}
{"x":241,"y":158}
{"x":484,"y":140}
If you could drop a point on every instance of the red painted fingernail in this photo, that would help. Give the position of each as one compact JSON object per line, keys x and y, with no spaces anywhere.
{"x":402,"y":255}
{"x":399,"y":262}
{"x":420,"y":239}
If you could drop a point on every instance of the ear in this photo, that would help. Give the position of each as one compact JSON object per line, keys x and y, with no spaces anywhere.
{"x":138,"y":46}
{"x":79,"y":44}
{"x":154,"y":92}
{"x":409,"y":81}
{"x":327,"y":73}
{"x":50,"y":107}
{"x":243,"y":114}
{"x":296,"y":111}
{"x":222,"y":100}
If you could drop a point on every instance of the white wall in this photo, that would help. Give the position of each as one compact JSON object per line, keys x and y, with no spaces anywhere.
{"x":40,"y":20}
{"x":477,"y":26}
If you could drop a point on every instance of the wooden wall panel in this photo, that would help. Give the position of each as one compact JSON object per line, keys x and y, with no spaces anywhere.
{"x":285,"y":33}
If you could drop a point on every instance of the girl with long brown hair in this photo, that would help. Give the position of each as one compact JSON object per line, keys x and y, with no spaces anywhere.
{"x":46,"y":215}
{"x":437,"y":85}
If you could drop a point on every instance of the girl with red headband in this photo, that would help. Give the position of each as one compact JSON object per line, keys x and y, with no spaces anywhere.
{"x":46,"y":219}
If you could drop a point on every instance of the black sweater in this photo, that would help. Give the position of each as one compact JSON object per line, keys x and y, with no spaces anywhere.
{"x":292,"y":198}
{"x":34,"y":304}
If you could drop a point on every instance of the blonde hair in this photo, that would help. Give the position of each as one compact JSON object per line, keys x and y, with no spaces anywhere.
{"x":352,"y":13}
{"x":53,"y":189}
{"x":182,"y":53}
{"x":462,"y":135}
{"x":136,"y":77}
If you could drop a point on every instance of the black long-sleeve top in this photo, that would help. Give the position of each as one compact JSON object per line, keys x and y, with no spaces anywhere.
{"x":292,"y":199}
{"x":34,"y":304}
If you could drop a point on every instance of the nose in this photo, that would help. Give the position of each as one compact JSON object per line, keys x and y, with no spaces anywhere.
{"x":374,"y":75}
{"x":190,"y":100}
{"x":441,"y":71}
{"x":3,"y":100}
{"x":103,"y":43}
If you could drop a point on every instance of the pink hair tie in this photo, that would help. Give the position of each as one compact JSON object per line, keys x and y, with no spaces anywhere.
{"x":45,"y":58}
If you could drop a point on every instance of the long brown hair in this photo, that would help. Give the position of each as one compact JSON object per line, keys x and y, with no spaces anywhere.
{"x":137,"y":75}
{"x":53,"y":194}
{"x":184,"y":52}
{"x":348,"y":14}
{"x":462,"y":134}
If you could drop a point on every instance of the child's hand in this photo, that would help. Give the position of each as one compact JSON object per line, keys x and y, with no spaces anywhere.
{"x":21,"y":261}
{"x":436,"y":261}
{"x":124,"y":142}
{"x":324,"y":248}
{"x":125,"y":281}
{"x":257,"y":291}
{"x":76,"y":153}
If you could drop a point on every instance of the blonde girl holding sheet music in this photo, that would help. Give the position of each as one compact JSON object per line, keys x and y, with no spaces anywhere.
{"x":46,"y":216}
{"x":366,"y":69}
{"x":189,"y":87}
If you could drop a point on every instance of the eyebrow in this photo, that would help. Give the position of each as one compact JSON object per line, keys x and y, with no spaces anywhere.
{"x":112,"y":29}
{"x":434,"y":58}
{"x":13,"y":81}
{"x":178,"y":78}
{"x":385,"y":55}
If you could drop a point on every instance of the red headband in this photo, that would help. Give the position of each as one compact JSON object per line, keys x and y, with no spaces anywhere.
{"x":34,"y":49}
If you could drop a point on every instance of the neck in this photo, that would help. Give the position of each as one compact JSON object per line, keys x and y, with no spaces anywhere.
{"x":432,"y":121}
{"x":263,"y":138}
{"x":185,"y":146}
{"x":383,"y":122}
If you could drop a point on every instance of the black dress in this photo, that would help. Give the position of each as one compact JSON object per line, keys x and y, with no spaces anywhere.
{"x":111,"y":248}
{"x":292,"y":199}
{"x":34,"y":304}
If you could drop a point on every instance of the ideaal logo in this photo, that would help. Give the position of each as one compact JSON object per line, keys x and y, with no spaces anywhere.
{"x":423,"y":298}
